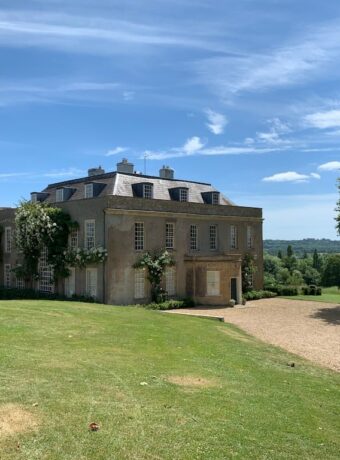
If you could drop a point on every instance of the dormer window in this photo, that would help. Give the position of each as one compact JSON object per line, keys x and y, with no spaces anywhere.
{"x":211,"y":197}
{"x":147,"y":191}
{"x":89,"y":190}
{"x":215,"y":198}
{"x":38,"y":197}
{"x":34,"y":197}
{"x":59,"y":194}
{"x":183,"y":194}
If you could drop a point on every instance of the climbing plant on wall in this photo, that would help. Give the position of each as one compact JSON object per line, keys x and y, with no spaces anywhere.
{"x":39,"y":226}
{"x":248,"y":270}
{"x":155,"y":265}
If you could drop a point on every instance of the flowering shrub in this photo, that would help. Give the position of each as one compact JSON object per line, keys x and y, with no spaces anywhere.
{"x":155,"y":265}
{"x":83,"y":257}
{"x":39,"y":226}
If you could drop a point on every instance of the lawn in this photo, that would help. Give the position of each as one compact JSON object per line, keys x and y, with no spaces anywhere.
{"x":329,"y":295}
{"x":160,"y":386}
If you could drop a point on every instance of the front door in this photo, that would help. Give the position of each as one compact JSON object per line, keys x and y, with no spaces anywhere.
{"x":233,"y":289}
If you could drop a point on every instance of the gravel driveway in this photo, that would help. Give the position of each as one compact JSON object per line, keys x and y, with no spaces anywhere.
{"x":309,"y":329}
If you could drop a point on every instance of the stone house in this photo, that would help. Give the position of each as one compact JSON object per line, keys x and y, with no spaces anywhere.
{"x":129,"y":213}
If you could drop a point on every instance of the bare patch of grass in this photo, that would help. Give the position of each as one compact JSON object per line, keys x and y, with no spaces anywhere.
{"x":15,"y":419}
{"x":191,"y":381}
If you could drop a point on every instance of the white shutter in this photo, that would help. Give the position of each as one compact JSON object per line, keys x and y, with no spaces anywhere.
{"x":213,"y":283}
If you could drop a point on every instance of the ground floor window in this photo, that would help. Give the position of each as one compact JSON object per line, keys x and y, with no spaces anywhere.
{"x":213,"y":283}
{"x":91,"y":282}
{"x":46,"y":283}
{"x":20,"y":283}
{"x":70,"y":283}
{"x":139,"y":283}
{"x":7,"y":275}
{"x":170,"y":281}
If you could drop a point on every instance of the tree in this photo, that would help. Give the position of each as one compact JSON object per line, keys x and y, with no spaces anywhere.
{"x":271,"y":264}
{"x":290,"y":251}
{"x":331,"y":274}
{"x":316,"y":260}
{"x":337,"y":218}
{"x":155,"y":264}
{"x":279,"y":255}
{"x":311,"y":276}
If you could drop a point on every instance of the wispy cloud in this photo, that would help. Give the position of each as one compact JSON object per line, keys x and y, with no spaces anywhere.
{"x":116,"y":151}
{"x":305,"y":58}
{"x":274,"y":136}
{"x":324,"y":120}
{"x":291,"y":176}
{"x":12,"y":175}
{"x":216,"y":121}
{"x":61,"y":173}
{"x":93,"y":34}
{"x":330,"y":166}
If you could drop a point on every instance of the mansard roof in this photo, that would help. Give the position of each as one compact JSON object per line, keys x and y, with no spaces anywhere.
{"x":122,"y":184}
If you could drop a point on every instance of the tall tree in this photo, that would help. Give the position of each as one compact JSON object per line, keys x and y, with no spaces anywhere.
{"x":316,"y":260}
{"x":289,"y":251}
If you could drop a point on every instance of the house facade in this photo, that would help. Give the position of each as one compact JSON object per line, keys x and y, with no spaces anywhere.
{"x":128,"y":213}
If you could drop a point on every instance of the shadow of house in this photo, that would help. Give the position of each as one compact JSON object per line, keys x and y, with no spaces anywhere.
{"x":329,"y":315}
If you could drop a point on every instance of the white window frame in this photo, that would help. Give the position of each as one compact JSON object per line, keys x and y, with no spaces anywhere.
{"x":193,"y":237}
{"x":250,"y":237}
{"x":59,"y":195}
{"x":8,"y":240}
{"x":215,"y":198}
{"x":19,"y":283}
{"x":139,"y":236}
{"x":34,"y":198}
{"x":183,"y":194}
{"x":90,"y":233}
{"x":92,"y":282}
{"x":74,"y":239}
{"x":88,"y":190}
{"x":70,"y":283}
{"x":213,"y":237}
{"x":169,"y":235}
{"x":213,"y":283}
{"x":7,"y":275}
{"x":46,"y":283}
{"x":139,"y":283}
{"x":233,"y":237}
{"x":147,"y":191}
{"x":170,"y":281}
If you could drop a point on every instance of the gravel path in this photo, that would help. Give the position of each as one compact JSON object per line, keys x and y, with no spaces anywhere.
{"x":309,"y":329}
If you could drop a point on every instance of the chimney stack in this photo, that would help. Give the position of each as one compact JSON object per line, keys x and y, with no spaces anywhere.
{"x":125,"y":167}
{"x":166,"y":172}
{"x":96,"y":171}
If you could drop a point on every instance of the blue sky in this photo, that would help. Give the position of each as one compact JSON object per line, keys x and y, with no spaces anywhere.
{"x":241,"y":93}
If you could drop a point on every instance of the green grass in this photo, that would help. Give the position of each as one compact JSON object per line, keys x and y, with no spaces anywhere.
{"x":83,"y":363}
{"x":329,"y":295}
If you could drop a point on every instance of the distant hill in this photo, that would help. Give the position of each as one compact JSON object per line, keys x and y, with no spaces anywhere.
{"x":300,"y":246}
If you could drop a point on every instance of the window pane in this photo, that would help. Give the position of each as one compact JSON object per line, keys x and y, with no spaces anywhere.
{"x":193,"y":237}
{"x":169,"y":236}
{"x":90,"y":234}
{"x":139,"y":284}
{"x":183,"y":194}
{"x":213,"y":237}
{"x":233,"y":236}
{"x":147,"y":190}
{"x":139,"y":236}
{"x":170,"y":281}
{"x":213,"y":283}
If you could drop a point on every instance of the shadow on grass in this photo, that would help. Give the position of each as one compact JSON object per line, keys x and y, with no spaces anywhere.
{"x":329,"y":315}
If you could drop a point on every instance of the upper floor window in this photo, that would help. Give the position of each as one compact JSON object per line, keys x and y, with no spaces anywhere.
{"x":59,"y":194}
{"x":233,"y":236}
{"x":147,"y":191}
{"x":90,"y":233}
{"x":169,"y":236}
{"x":183,"y":194}
{"x":139,"y":236}
{"x":8,"y":239}
{"x":250,"y":237}
{"x":193,"y":237}
{"x":213,"y":237}
{"x":88,"y":190}
{"x":74,"y":237}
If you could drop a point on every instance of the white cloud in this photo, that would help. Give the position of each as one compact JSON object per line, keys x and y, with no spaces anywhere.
{"x":116,"y":151}
{"x":274,"y":135}
{"x":324,"y":120}
{"x":192,"y":145}
{"x":290,"y":176}
{"x":14,"y":174}
{"x":330,"y":166}
{"x":216,"y":121}
{"x":70,"y":172}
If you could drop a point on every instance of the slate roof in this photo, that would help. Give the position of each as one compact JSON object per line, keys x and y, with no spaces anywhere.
{"x":120,"y":184}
